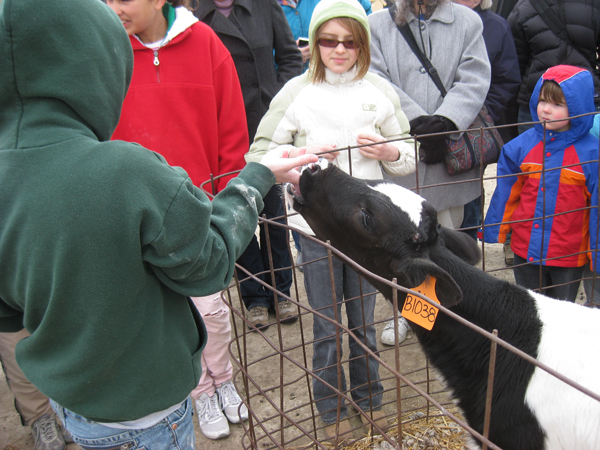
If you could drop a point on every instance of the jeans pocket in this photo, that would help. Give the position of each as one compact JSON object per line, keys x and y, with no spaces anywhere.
{"x":131,"y":445}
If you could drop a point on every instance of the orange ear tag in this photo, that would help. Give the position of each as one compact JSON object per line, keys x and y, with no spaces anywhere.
{"x":418,"y":310}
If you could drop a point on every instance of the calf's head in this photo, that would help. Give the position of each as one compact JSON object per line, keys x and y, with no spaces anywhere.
{"x":385,"y":228}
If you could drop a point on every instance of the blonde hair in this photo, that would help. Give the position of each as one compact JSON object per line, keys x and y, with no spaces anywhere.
{"x":363,"y":50}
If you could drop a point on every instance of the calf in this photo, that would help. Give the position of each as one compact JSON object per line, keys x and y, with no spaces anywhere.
{"x":394,"y":233}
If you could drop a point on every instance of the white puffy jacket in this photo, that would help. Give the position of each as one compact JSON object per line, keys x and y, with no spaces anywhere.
{"x":336,"y":112}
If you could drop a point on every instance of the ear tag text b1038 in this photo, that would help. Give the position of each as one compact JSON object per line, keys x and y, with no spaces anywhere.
{"x":418,"y":310}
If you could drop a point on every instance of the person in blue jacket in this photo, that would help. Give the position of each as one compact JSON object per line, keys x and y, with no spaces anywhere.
{"x":553,"y":191}
{"x":299,"y":13}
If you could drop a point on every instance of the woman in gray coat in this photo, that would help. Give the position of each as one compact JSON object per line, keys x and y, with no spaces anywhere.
{"x":451,"y":37}
{"x":453,"y":40}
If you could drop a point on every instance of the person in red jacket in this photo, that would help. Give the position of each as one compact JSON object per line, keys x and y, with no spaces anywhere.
{"x":185,"y":102}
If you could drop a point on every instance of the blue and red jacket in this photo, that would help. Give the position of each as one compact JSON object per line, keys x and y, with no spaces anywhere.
{"x":555,"y":178}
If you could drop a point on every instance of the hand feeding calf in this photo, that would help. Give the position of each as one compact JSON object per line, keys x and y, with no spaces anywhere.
{"x":394,"y":233}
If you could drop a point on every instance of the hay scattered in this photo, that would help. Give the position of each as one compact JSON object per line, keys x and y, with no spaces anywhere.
{"x":419,"y":432}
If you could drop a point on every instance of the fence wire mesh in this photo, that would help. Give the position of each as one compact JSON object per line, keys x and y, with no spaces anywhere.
{"x":274,"y":365}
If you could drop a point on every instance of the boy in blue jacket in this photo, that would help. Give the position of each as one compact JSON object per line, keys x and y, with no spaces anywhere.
{"x":546,"y":202}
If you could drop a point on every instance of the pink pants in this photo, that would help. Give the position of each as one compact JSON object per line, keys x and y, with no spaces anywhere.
{"x":216,"y":365}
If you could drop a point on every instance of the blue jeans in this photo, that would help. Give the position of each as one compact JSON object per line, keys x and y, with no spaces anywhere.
{"x":176,"y":431}
{"x":528,"y":276}
{"x":365,"y":385}
{"x":255,"y":258}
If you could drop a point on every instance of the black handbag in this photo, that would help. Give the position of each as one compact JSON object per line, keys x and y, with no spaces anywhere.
{"x":480,"y":144}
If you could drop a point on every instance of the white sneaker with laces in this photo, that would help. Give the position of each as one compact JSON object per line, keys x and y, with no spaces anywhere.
{"x":387,"y":336}
{"x":213,"y":423}
{"x":231,"y":403}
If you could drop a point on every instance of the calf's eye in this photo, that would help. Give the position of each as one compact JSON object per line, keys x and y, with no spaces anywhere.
{"x":367,"y":219}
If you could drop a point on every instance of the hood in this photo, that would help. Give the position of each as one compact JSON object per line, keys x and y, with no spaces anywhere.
{"x":330,"y":9}
{"x":66,"y":66}
{"x":183,"y":19}
{"x":578,"y":88}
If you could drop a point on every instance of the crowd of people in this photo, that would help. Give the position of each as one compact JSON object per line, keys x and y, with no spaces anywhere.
{"x":114,"y":258}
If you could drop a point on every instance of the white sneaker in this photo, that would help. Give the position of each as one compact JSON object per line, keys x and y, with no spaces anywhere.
{"x":213,"y":423}
{"x":387,"y":335}
{"x":231,"y":403}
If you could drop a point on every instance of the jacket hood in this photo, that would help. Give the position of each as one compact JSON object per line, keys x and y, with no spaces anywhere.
{"x":183,"y":19}
{"x":578,"y":88}
{"x":330,"y":9}
{"x":66,"y":66}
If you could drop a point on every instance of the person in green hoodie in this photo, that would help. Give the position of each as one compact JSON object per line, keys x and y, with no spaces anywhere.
{"x":102,"y":242}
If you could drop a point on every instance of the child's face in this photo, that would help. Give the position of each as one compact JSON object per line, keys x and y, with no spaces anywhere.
{"x":548,"y":110}
{"x":139,"y":17}
{"x":339,"y":59}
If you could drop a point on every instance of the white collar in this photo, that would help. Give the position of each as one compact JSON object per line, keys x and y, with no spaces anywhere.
{"x":341,"y":78}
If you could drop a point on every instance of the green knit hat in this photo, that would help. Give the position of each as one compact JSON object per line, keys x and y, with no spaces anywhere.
{"x":331,"y":9}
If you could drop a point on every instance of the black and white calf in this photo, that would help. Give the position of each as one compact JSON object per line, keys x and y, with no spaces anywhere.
{"x":394,"y":233}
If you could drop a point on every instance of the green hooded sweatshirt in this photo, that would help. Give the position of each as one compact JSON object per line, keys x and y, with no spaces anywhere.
{"x":101,"y":241}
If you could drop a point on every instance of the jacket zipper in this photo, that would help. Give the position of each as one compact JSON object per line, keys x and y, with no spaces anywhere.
{"x":157,"y":64}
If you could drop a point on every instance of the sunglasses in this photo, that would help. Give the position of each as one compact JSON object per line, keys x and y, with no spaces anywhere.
{"x":333,"y":43}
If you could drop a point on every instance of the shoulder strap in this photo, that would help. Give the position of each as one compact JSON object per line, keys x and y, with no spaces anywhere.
{"x":549,"y":16}
{"x":412,"y":43}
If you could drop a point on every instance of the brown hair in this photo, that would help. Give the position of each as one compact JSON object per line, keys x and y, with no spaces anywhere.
{"x":551,"y":92}
{"x":176,"y":3}
{"x":361,"y":42}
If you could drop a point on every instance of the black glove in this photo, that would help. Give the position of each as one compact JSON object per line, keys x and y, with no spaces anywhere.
{"x":433,"y":148}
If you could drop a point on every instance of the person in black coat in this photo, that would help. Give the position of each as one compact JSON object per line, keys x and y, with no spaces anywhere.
{"x":265,"y":54}
{"x":539,"y":48}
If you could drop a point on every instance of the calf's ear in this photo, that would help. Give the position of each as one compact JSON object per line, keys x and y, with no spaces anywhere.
{"x":461,"y":244}
{"x":413,"y":272}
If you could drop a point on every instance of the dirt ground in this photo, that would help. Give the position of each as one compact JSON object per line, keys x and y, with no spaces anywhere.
{"x":276,"y":363}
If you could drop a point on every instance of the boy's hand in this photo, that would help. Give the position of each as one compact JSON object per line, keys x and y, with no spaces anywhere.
{"x":284,"y":168}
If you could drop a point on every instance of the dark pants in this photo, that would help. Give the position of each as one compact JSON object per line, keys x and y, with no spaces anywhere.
{"x":528,"y":276}
{"x":472,"y":217}
{"x":524,"y":117}
{"x":255,"y":258}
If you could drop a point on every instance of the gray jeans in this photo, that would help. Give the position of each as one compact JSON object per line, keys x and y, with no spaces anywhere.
{"x":365,"y":385}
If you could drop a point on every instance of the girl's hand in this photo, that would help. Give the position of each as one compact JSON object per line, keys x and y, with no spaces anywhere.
{"x":319,"y":150}
{"x":382,"y":152}
{"x":284,"y":168}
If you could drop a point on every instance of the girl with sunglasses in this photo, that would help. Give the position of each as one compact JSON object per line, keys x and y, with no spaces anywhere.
{"x":336,"y":104}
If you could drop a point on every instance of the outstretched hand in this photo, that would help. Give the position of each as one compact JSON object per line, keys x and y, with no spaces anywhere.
{"x":284,"y":168}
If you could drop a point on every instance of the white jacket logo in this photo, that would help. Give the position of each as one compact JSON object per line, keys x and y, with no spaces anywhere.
{"x":369,"y":107}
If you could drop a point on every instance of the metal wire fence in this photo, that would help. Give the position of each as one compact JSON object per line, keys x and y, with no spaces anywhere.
{"x":274,"y":366}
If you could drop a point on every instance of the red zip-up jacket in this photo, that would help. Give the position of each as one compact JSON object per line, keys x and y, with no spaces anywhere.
{"x":185,"y":102}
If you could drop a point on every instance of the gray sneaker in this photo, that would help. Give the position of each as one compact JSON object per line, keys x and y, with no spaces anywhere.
{"x":258,"y":317}
{"x":213,"y":423}
{"x":46,"y":435}
{"x":288,"y":312}
{"x":231,"y":403}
